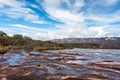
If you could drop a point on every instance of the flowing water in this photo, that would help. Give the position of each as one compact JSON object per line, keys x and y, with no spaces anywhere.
{"x":58,"y":61}
{"x":84,"y":56}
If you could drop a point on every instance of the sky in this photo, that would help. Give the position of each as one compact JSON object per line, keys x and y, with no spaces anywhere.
{"x":57,"y":19}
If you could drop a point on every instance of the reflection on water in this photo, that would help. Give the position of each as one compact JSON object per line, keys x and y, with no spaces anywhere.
{"x":83,"y":56}
{"x":91,"y":55}
{"x":34,"y":70}
{"x":34,"y":52}
{"x":110,"y":74}
{"x":70,"y":56}
{"x":13,"y":59}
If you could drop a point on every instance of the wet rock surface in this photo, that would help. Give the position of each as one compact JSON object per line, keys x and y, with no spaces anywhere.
{"x":74,"y":64}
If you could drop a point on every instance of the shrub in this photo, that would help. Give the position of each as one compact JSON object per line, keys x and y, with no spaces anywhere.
{"x":2,"y":49}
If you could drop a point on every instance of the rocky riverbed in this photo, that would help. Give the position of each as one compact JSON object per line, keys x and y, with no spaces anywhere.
{"x":72,"y":64}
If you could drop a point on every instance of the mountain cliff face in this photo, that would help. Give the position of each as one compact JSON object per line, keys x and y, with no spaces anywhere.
{"x":105,"y":40}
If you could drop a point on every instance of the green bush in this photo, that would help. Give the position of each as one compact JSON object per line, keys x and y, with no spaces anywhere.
{"x":2,"y":49}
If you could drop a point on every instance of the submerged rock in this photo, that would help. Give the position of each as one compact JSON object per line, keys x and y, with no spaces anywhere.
{"x":54,"y":66}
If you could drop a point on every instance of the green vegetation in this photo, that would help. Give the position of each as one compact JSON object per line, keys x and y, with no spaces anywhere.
{"x":2,"y":49}
{"x":18,"y":41}
{"x":91,"y":45}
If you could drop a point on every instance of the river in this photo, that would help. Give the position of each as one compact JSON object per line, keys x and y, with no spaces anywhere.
{"x":74,"y":63}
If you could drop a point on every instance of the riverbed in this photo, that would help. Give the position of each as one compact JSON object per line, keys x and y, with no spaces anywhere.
{"x":68,"y":64}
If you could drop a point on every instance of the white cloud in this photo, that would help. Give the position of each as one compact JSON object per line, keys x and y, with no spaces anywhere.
{"x":97,"y":31}
{"x":74,"y":20}
{"x":17,"y":9}
{"x":52,"y":3}
{"x":66,"y":16}
{"x":104,"y":18}
{"x":27,"y":27}
{"x":35,"y":33}
{"x":1,"y":5}
{"x":59,"y":13}
{"x":102,"y":31}
{"x":111,"y":2}
{"x":39,"y":22}
{"x":31,"y":17}
{"x":2,"y":29}
{"x":78,"y":4}
{"x":11,"y":3}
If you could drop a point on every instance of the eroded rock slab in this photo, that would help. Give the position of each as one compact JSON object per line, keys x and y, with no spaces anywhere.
{"x":60,"y":65}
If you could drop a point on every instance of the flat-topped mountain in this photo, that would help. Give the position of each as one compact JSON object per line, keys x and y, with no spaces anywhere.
{"x":104,"y":40}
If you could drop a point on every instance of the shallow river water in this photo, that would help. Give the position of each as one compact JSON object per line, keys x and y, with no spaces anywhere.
{"x":104,"y":61}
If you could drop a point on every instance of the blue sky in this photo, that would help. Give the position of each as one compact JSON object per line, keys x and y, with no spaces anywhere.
{"x":56,"y":19}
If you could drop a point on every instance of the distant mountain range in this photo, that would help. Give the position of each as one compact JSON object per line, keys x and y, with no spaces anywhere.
{"x":104,"y":40}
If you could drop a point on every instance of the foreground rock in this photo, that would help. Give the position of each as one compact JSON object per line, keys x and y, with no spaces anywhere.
{"x":55,"y":66}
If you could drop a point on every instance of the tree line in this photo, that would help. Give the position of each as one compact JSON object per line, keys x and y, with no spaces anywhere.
{"x":23,"y":42}
{"x":19,"y":41}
